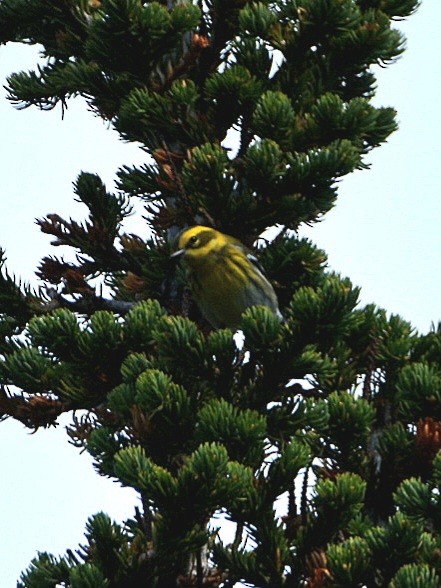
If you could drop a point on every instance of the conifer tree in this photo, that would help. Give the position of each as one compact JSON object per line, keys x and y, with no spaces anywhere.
{"x":334,"y":414}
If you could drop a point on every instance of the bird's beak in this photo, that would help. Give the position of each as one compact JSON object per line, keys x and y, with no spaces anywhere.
{"x":177,"y":254}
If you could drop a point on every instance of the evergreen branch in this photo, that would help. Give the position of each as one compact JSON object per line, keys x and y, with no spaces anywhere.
{"x":199,"y":570}
{"x":246,"y":135}
{"x":16,"y":300}
{"x":33,"y":412}
{"x":292,"y":505}
{"x":238,"y":536}
{"x":146,"y":518}
{"x":176,"y":177}
{"x":180,"y":414}
{"x":304,"y":498}
{"x":372,"y":353}
{"x":188,"y":61}
{"x":59,"y":25}
{"x":87,"y":304}
{"x":297,"y":388}
{"x":222,"y":22}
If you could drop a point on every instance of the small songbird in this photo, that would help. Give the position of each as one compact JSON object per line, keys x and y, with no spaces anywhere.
{"x":224,"y":276}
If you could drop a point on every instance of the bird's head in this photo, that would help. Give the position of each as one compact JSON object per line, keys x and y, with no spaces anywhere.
{"x":197,"y":242}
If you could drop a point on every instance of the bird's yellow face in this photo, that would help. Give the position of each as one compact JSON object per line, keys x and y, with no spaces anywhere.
{"x":197,"y":242}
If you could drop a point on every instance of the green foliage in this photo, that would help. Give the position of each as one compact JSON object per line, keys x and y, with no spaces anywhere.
{"x":256,"y":19}
{"x":437,"y":469}
{"x":349,"y":562}
{"x":415,"y":576}
{"x":32,"y":371}
{"x":415,"y":498}
{"x":293,"y":457}
{"x":180,"y":342}
{"x":334,"y":504}
{"x":46,"y":571}
{"x":421,"y":501}
{"x":331,"y":118}
{"x":185,"y":76}
{"x":274,"y":117}
{"x":141,"y":323}
{"x":318,"y":436}
{"x":103,"y":560}
{"x":394,"y":544}
{"x":207,"y":178}
{"x":261,"y":329}
{"x":264,"y":164}
{"x":349,"y":428}
{"x":61,"y":328}
{"x":136,"y":470}
{"x":419,"y":391}
{"x":324,"y":313}
{"x":241,"y":432}
{"x":16,"y":301}
{"x":87,"y":576}
{"x":346,"y":492}
{"x":145,"y":115}
{"x":230,"y":93}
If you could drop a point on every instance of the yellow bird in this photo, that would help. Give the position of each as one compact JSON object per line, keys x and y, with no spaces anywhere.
{"x":224,"y":277}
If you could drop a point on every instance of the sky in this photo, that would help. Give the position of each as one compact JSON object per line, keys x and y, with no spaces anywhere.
{"x":384,"y":233}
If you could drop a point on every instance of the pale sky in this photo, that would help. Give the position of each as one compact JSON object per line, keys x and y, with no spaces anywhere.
{"x":383,"y":233}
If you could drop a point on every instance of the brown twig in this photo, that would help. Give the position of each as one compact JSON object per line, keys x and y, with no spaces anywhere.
{"x":84,"y":305}
{"x":38,"y":411}
{"x":304,"y":498}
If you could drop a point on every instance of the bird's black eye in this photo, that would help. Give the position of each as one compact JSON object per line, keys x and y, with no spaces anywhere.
{"x":193,"y":241}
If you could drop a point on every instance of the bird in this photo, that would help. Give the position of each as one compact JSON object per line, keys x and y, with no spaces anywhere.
{"x":225,"y":278}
